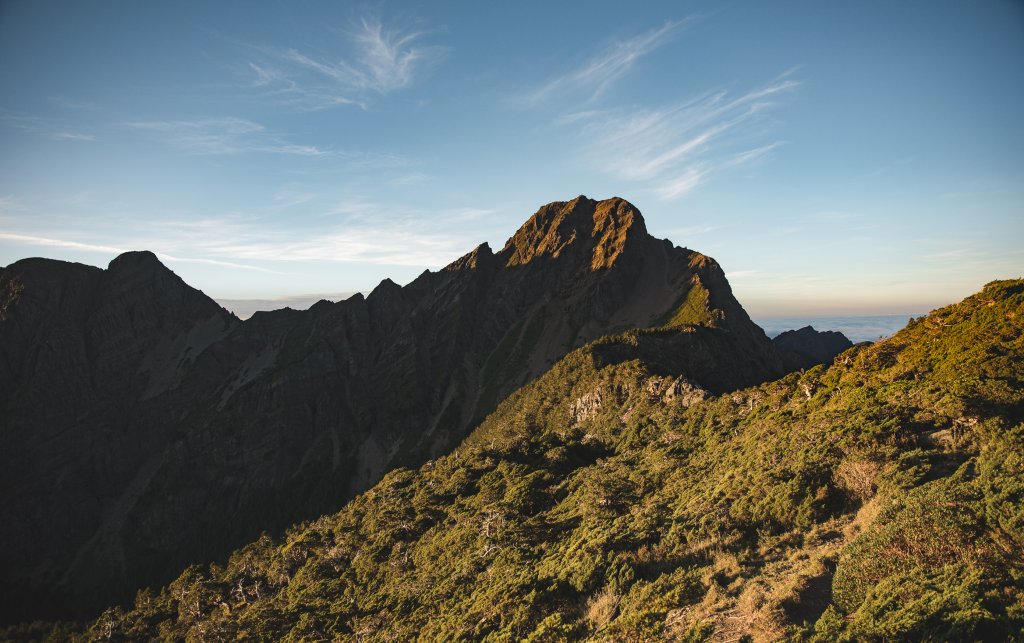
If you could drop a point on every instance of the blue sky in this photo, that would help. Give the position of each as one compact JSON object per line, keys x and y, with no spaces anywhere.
{"x":836,"y":158}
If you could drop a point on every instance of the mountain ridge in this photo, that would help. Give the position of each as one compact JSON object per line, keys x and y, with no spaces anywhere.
{"x":810,"y":347}
{"x":876,"y":498}
{"x":182,"y":431}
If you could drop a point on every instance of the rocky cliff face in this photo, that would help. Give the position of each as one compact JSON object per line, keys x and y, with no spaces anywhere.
{"x":144,"y":428}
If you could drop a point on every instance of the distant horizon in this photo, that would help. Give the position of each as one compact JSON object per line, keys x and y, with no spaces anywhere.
{"x":856,"y":327}
{"x":757,"y":308}
{"x":841,"y":158}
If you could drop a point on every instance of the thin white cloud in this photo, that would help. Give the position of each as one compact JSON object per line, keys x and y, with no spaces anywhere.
{"x":685,"y":234}
{"x":379,"y":61}
{"x":375,"y":160}
{"x":354,"y":230}
{"x":224,"y":136}
{"x":347,"y":229}
{"x":955,"y":253}
{"x":412,"y":178}
{"x":71,"y":136}
{"x":45,"y":127}
{"x":288,"y":197}
{"x":265,"y":76}
{"x":741,"y":274}
{"x":368,"y":232}
{"x":749,"y":156}
{"x":688,"y":181}
{"x":59,"y":243}
{"x":676,"y":149}
{"x":575,"y":117}
{"x":602,"y":70}
{"x":217,"y":262}
{"x":394,"y":246}
{"x":389,"y":57}
{"x":105,"y":249}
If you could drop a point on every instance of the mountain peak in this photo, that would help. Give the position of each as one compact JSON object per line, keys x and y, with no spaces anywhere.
{"x":385,"y":288}
{"x":134,"y":260}
{"x":482,"y":254}
{"x":813,"y":346}
{"x":597,"y":230}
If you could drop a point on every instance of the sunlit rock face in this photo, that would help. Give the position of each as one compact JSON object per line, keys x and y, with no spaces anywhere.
{"x":144,"y":428}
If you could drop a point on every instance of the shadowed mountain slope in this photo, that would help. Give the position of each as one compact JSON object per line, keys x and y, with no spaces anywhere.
{"x":809,"y":347}
{"x":144,"y":428}
{"x":616,"y":498}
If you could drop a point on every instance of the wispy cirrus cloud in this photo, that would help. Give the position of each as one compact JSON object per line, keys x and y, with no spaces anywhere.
{"x":290,"y":196}
{"x":392,"y":245}
{"x":351,"y":230}
{"x":954,"y":254}
{"x":602,"y":70}
{"x":223,"y":136}
{"x":354,"y":230}
{"x":677,"y":148}
{"x":33,"y":240}
{"x":672,"y":149}
{"x":378,"y":61}
{"x":47,"y":128}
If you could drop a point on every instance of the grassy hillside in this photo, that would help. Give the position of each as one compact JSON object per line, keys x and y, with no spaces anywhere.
{"x":613,"y":499}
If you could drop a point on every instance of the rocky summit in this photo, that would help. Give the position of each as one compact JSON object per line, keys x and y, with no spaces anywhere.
{"x":144,"y":428}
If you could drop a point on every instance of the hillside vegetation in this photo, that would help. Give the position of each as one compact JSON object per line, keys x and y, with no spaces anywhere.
{"x":616,"y":499}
